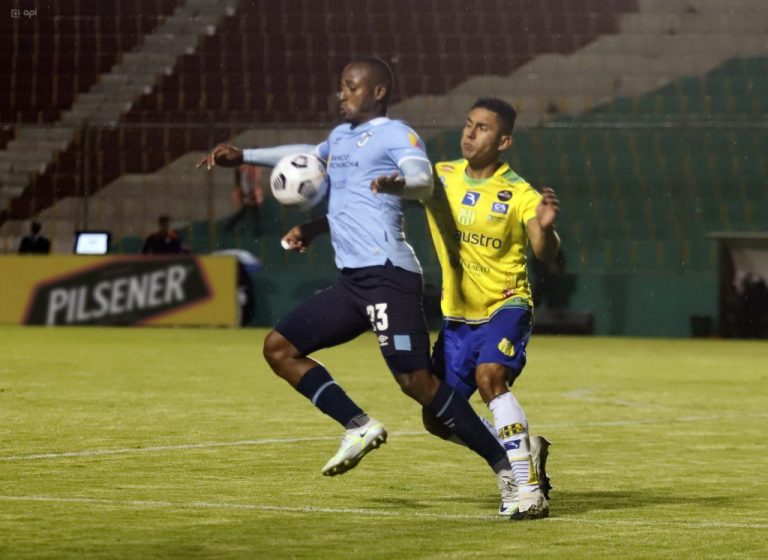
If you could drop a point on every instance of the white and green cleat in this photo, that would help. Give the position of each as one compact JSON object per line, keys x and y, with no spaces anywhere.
{"x":509,"y":493}
{"x":355,"y":445}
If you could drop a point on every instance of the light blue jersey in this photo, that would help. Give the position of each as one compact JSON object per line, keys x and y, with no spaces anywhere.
{"x":367,"y":228}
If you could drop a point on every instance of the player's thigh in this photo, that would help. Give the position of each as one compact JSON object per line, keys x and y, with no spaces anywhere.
{"x":505,"y":339}
{"x":453,"y":357}
{"x":328,"y":318}
{"x":394,"y":307}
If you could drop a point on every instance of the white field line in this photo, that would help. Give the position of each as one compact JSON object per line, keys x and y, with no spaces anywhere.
{"x":162,"y":504}
{"x":156,"y":448}
{"x":587,"y":394}
{"x":268,"y":441}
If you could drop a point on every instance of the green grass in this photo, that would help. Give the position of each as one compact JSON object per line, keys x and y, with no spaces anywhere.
{"x":180,"y":443}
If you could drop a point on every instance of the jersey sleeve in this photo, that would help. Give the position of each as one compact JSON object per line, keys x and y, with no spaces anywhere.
{"x":528,"y":202}
{"x":403,"y":143}
{"x":322,"y":150}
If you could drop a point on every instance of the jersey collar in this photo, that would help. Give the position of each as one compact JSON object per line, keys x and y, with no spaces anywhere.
{"x":499,"y":172}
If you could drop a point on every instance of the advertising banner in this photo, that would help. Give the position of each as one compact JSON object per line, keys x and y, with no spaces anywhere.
{"x":135,"y":290}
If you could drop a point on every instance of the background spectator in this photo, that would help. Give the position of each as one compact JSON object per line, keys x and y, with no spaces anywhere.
{"x":164,"y":241}
{"x":35,"y":243}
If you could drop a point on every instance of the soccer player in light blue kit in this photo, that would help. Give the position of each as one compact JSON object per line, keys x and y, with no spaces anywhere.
{"x":380,"y":284}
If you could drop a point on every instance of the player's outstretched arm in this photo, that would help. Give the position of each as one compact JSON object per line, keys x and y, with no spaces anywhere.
{"x":300,"y":237}
{"x":545,"y":241}
{"x":268,"y":157}
{"x":224,"y":155}
{"x":414,"y":181}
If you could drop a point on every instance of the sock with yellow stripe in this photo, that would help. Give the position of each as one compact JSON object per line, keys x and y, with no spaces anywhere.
{"x":512,"y":426}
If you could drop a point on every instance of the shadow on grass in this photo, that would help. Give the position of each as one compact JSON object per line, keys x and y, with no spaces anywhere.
{"x":571,"y":503}
{"x":568,"y":503}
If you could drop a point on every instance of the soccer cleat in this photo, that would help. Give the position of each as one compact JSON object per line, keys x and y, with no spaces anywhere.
{"x":539,"y":454}
{"x":355,"y":445}
{"x":531,"y":505}
{"x":508,"y":491}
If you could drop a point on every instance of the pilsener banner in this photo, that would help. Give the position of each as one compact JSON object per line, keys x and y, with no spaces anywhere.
{"x":146,"y":290}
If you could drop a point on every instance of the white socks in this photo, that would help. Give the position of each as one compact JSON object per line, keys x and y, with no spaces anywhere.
{"x":512,"y":428}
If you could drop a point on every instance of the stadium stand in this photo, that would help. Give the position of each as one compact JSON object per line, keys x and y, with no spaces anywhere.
{"x":49,"y":59}
{"x":252,"y":67}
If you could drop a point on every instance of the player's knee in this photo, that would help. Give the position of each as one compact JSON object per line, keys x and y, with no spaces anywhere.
{"x":419,"y":385}
{"x":491,"y":380}
{"x":276,"y":350}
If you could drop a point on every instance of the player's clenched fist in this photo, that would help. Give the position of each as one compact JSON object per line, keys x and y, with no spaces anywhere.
{"x":224,"y":155}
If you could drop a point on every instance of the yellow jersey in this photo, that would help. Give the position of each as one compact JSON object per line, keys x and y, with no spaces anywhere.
{"x":478,"y":229}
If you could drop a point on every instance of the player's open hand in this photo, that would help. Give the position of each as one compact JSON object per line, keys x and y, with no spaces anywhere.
{"x":296,"y":240}
{"x":388,"y":184}
{"x":224,"y":155}
{"x":548,"y":208}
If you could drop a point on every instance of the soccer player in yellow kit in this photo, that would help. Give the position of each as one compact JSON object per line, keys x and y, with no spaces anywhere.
{"x":482,"y":216}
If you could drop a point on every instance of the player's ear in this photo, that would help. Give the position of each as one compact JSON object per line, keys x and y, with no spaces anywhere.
{"x":379,"y":92}
{"x":505,"y":142}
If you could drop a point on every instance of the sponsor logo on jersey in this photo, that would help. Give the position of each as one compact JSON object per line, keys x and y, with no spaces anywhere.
{"x":446,"y":167}
{"x":364,"y":139}
{"x":342,"y":161}
{"x":471,"y":198}
{"x":415,"y":141}
{"x":512,"y":445}
{"x":472,"y":266}
{"x":506,"y":347}
{"x":119,"y":292}
{"x":500,"y":208}
{"x":495,"y":219}
{"x":504,"y":196}
{"x":466,"y":216}
{"x":383,"y":340}
{"x":479,"y":239}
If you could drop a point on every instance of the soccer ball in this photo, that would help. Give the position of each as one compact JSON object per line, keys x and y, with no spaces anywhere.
{"x":299,"y":181}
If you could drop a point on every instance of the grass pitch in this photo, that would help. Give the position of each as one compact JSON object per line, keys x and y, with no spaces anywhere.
{"x":144,"y":443}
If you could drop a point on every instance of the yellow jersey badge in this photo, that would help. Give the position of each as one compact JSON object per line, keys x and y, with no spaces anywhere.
{"x":506,"y":347}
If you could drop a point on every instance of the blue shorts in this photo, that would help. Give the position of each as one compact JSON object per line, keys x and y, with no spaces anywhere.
{"x":386,"y":299}
{"x":460,"y":347}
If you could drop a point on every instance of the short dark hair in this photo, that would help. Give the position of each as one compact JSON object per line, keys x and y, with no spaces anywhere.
{"x":503,"y":110}
{"x":36,"y":227}
{"x":381,"y":74}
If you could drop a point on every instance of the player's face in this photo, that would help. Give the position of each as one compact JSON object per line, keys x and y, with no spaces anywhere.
{"x":359,"y":97}
{"x":482,"y":140}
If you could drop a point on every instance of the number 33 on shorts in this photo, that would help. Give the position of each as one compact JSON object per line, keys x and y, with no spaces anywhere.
{"x":377,"y":315}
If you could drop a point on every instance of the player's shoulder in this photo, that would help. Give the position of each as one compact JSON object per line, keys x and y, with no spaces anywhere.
{"x":340,"y":129}
{"x":394,"y":125}
{"x":399,"y":131}
{"x":514,"y":181}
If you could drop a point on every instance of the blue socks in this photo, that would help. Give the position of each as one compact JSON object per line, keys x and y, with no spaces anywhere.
{"x":455,"y":412}
{"x":320,"y":388}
